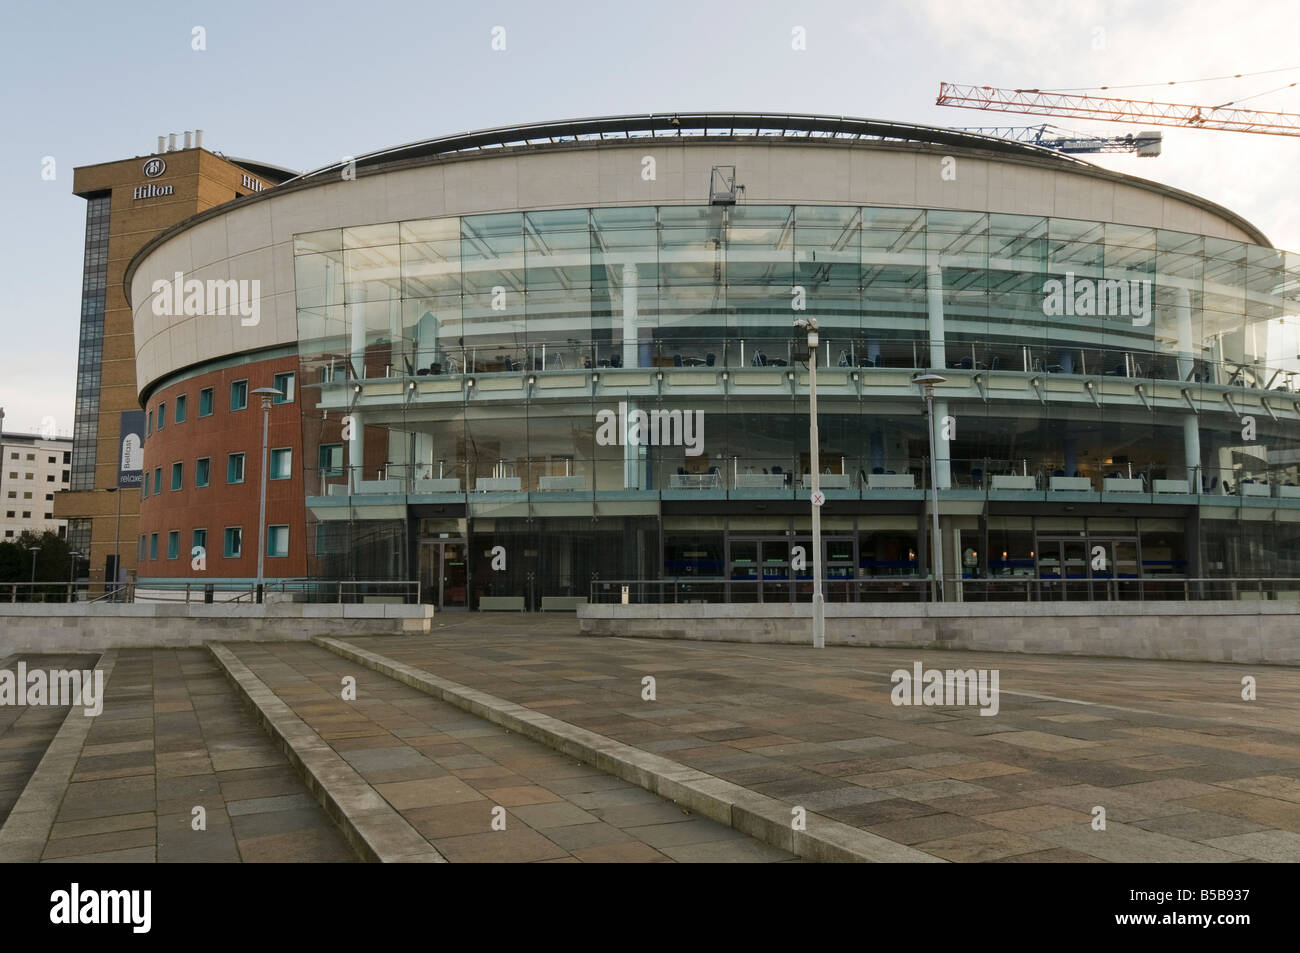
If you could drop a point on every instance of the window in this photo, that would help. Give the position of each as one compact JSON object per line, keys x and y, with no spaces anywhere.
{"x":10,"y":514}
{"x":157,"y":480}
{"x":281,"y":464}
{"x":331,"y":459}
{"x":27,"y":514}
{"x":149,"y":428}
{"x":49,"y":478}
{"x":26,"y":495}
{"x":13,"y":474}
{"x":31,"y":458}
{"x":49,"y":516}
{"x":205,"y":402}
{"x":162,"y":415}
{"x":66,"y":475}
{"x":178,"y":473}
{"x":140,"y":551}
{"x":200,"y":540}
{"x":202,"y":471}
{"x":239,"y":395}
{"x":153,"y":545}
{"x":49,"y":459}
{"x":49,"y":497}
{"x":277,"y":541}
{"x":180,"y":409}
{"x":9,"y":534}
{"x":284,"y":384}
{"x":145,"y":485}
{"x":67,"y":456}
{"x":173,"y":544}
{"x":13,"y":494}
{"x":235,"y":468}
{"x":234,"y":541}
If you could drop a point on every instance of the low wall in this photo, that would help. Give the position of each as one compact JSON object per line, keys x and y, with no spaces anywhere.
{"x":33,"y":627}
{"x":1267,"y":632}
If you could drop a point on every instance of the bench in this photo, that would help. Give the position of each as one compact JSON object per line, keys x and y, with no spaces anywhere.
{"x":501,"y":604}
{"x":562,"y":603}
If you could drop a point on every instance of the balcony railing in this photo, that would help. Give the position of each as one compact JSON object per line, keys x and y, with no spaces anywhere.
{"x":686,"y":590}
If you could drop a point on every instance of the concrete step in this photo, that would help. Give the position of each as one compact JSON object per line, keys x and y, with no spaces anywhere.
{"x":445,"y":773}
{"x":27,"y":730}
{"x":769,"y":819}
{"x":173,"y":736}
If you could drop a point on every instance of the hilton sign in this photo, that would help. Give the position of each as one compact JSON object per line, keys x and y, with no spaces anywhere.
{"x":152,"y":169}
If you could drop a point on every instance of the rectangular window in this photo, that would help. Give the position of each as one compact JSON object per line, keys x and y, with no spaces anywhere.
{"x":234,"y":541}
{"x":235,"y":468}
{"x":281,"y":464}
{"x":277,"y":541}
{"x":145,"y":485}
{"x":239,"y":395}
{"x":153,"y":545}
{"x":162,"y":415}
{"x":180,"y":409}
{"x":27,"y":514}
{"x":173,"y":544}
{"x":67,"y":457}
{"x":157,"y":480}
{"x":49,"y":478}
{"x":202,"y":471}
{"x":140,"y":550}
{"x":149,"y":427}
{"x":205,"y":402}
{"x":10,"y":514}
{"x":331,"y":459}
{"x":200,"y":540}
{"x":178,"y":475}
{"x":66,"y":474}
{"x":284,"y":384}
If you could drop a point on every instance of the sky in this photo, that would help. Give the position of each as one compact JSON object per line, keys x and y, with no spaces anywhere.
{"x":303,"y":85}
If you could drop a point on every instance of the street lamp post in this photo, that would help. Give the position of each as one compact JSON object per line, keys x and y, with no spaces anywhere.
{"x":117,"y":541}
{"x":267,"y":394}
{"x":33,"y":550}
{"x":814,"y":466}
{"x":72,"y":573}
{"x":928,"y":381}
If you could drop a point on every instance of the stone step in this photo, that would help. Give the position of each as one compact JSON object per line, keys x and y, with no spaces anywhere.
{"x":173,"y":736}
{"x":448,"y":774}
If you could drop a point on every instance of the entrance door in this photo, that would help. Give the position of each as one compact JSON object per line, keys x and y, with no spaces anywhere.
{"x":1081,"y":569}
{"x":443,"y":575}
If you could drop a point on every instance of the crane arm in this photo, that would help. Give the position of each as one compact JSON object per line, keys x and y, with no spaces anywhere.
{"x":1037,"y":102}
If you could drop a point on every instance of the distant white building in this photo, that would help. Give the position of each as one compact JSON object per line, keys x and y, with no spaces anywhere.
{"x":32,"y":469}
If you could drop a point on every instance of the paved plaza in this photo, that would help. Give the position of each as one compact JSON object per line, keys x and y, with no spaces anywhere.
{"x":1184,"y":768}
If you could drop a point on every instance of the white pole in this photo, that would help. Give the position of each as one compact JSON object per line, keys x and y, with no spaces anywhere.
{"x":261,"y":511}
{"x":936,"y":544}
{"x":819,"y":604}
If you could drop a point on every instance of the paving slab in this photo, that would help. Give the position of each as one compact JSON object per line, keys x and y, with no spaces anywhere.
{"x":552,"y":807}
{"x":1168,"y":748}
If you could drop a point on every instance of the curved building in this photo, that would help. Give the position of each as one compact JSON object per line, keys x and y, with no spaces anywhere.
{"x":518,"y":363}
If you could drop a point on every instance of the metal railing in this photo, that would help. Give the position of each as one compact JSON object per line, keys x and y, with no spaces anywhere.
{"x":189,"y":591}
{"x":684,"y":590}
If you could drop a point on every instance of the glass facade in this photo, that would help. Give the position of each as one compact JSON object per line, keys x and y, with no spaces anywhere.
{"x":90,"y":347}
{"x":609,"y":366}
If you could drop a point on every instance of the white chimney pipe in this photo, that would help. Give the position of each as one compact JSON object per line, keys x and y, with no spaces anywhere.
{"x":198,"y":138}
{"x":171,"y":142}
{"x":188,"y":136}
{"x":162,"y":142}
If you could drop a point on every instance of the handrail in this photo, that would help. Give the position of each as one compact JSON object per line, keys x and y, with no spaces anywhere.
{"x":917,"y":588}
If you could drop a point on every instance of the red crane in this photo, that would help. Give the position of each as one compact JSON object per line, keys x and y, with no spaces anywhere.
{"x":1040,"y":103}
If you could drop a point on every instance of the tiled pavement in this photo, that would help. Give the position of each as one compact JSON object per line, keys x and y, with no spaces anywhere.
{"x":26,"y":730}
{"x":174,"y":735}
{"x":1185,"y":769}
{"x":444,"y":771}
